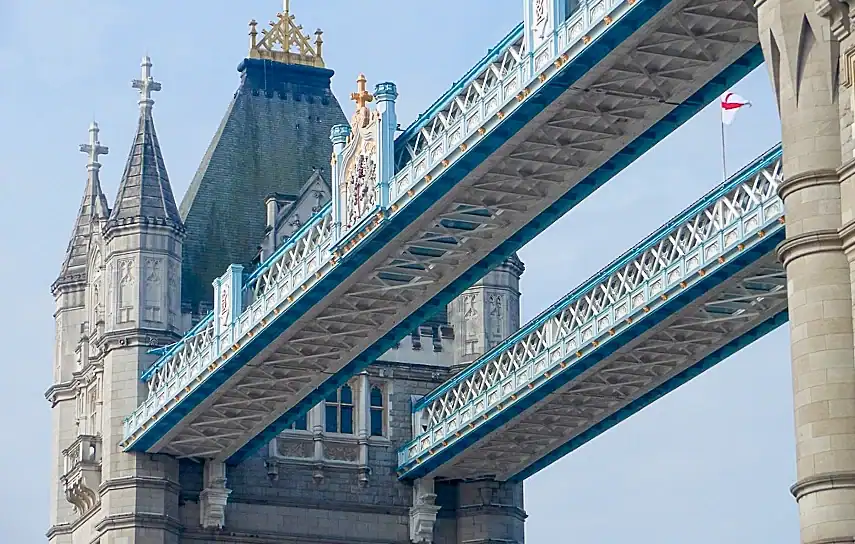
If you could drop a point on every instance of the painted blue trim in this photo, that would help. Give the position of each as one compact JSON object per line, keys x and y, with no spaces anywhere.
{"x":679,"y":115}
{"x":166,"y":351}
{"x":751,"y":255}
{"x":424,"y":118}
{"x":570,"y":72}
{"x":652,"y":396}
{"x":293,"y":239}
{"x":763,"y":161}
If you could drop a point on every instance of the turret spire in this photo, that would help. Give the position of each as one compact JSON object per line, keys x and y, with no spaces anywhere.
{"x":144,"y":191}
{"x":93,"y":208}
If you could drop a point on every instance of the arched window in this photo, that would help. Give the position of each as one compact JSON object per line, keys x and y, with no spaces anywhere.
{"x":377,"y":411}
{"x":339,"y":411}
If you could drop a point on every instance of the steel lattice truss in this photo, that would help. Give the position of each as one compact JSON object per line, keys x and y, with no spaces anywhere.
{"x":719,"y":228}
{"x":635,"y":86}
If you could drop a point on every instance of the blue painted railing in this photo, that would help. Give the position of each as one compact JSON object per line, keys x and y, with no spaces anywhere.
{"x":438,"y":139}
{"x":708,"y":234}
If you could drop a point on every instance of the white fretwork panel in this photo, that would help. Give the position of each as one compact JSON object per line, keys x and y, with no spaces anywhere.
{"x":610,"y":106}
{"x":724,"y":314}
{"x":715,"y":230}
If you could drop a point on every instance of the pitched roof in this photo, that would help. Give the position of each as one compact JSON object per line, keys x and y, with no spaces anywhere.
{"x":145,"y":191}
{"x":275,"y":132}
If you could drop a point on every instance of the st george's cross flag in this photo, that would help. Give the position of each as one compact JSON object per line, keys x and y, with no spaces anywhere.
{"x":730,"y":104}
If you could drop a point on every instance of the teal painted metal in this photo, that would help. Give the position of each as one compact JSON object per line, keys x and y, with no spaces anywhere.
{"x":711,"y":232}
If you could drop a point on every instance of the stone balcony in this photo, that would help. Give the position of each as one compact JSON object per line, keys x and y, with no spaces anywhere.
{"x":81,"y":475}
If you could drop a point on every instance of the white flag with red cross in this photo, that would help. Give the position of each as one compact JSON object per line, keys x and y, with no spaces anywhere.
{"x":730,"y":104}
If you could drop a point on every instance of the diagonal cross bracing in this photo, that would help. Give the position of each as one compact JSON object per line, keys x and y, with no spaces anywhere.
{"x":554,"y":127}
{"x":702,"y":285}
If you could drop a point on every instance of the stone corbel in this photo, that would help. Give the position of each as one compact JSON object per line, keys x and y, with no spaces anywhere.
{"x":837,"y":12}
{"x":423,"y":513}
{"x":214,"y":497}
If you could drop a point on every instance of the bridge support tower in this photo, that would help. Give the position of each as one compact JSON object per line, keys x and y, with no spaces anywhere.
{"x":803,"y":42}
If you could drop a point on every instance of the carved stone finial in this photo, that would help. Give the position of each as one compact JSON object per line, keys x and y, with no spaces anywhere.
{"x":362,"y":97}
{"x":285,"y":42}
{"x":146,"y":84}
{"x":94,"y":148}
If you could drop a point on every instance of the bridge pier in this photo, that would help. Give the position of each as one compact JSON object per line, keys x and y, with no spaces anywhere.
{"x":802,"y":51}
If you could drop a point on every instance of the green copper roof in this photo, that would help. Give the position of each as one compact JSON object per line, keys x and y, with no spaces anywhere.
{"x":274,"y":133}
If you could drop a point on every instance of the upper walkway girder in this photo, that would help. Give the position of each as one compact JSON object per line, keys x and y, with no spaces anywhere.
{"x":614,"y":79}
{"x":701,"y":287}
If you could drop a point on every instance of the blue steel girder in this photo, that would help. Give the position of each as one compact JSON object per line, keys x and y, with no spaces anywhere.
{"x":565,"y":120}
{"x":705,"y":284}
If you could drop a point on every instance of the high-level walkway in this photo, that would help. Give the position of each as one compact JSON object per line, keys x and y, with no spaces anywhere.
{"x":529,"y":132}
{"x":700,"y":288}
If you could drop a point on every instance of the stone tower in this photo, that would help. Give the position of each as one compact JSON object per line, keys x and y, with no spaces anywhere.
{"x":802,"y":41}
{"x":486,"y":313}
{"x":117,"y":297}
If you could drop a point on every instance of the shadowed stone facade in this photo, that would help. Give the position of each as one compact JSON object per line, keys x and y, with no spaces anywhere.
{"x":137,"y":275}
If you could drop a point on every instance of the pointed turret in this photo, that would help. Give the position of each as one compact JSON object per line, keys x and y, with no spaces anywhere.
{"x":145,"y":193}
{"x":93,"y":209}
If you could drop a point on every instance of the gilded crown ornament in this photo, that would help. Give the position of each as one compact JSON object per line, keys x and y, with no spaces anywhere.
{"x":285,"y":42}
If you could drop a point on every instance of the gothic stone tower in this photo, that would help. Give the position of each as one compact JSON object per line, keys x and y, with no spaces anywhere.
{"x":134,"y":278}
{"x":802,"y":41}
{"x":117,"y":297}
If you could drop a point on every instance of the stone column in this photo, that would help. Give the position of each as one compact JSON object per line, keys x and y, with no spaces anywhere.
{"x":490,"y":512}
{"x":802,"y":55}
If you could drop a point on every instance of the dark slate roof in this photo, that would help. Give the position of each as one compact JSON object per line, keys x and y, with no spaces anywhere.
{"x":144,"y":191}
{"x":274,"y":133}
{"x":92,"y":208}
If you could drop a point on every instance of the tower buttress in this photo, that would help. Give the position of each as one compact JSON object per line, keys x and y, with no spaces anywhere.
{"x":143,"y":237}
{"x":486,"y":313}
{"x":74,"y":398}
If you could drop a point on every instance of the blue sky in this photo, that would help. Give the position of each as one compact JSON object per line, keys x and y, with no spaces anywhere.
{"x":710,"y":463}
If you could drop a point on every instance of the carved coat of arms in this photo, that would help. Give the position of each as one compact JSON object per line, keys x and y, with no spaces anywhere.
{"x":359,"y":187}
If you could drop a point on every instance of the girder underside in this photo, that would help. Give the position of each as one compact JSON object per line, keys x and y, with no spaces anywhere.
{"x":733,"y":309}
{"x":682,"y":48}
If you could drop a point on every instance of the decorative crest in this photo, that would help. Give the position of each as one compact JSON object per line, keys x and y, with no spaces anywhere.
{"x":285,"y":42}
{"x":362,"y":97}
{"x":146,"y":84}
{"x":94,"y":147}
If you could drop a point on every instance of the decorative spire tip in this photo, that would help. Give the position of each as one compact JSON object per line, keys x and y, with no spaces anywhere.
{"x":285,"y":42}
{"x":94,"y":148}
{"x":146,"y":84}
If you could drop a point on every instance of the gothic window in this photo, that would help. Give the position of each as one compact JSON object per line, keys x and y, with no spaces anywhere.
{"x":301,"y":423}
{"x":377,"y":412}
{"x":339,"y":411}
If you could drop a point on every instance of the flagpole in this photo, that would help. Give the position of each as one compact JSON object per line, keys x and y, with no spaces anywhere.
{"x":723,"y":148}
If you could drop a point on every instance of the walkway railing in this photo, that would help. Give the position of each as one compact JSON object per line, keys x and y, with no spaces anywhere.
{"x":495,"y":88}
{"x":706,"y":235}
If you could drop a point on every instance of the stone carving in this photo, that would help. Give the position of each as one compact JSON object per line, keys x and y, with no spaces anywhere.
{"x":341,"y":452}
{"x":153,"y":290}
{"x":496,"y":313}
{"x":126,"y":290}
{"x":469,"y":309}
{"x":111,"y":292}
{"x":214,"y":496}
{"x":359,"y":185}
{"x":423,"y":513}
{"x":95,"y":301}
{"x":299,"y":449}
{"x":173,"y":301}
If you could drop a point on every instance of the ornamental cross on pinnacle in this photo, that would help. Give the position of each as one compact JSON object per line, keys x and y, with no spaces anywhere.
{"x":94,"y":148}
{"x":146,"y":84}
{"x":361,"y":96}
